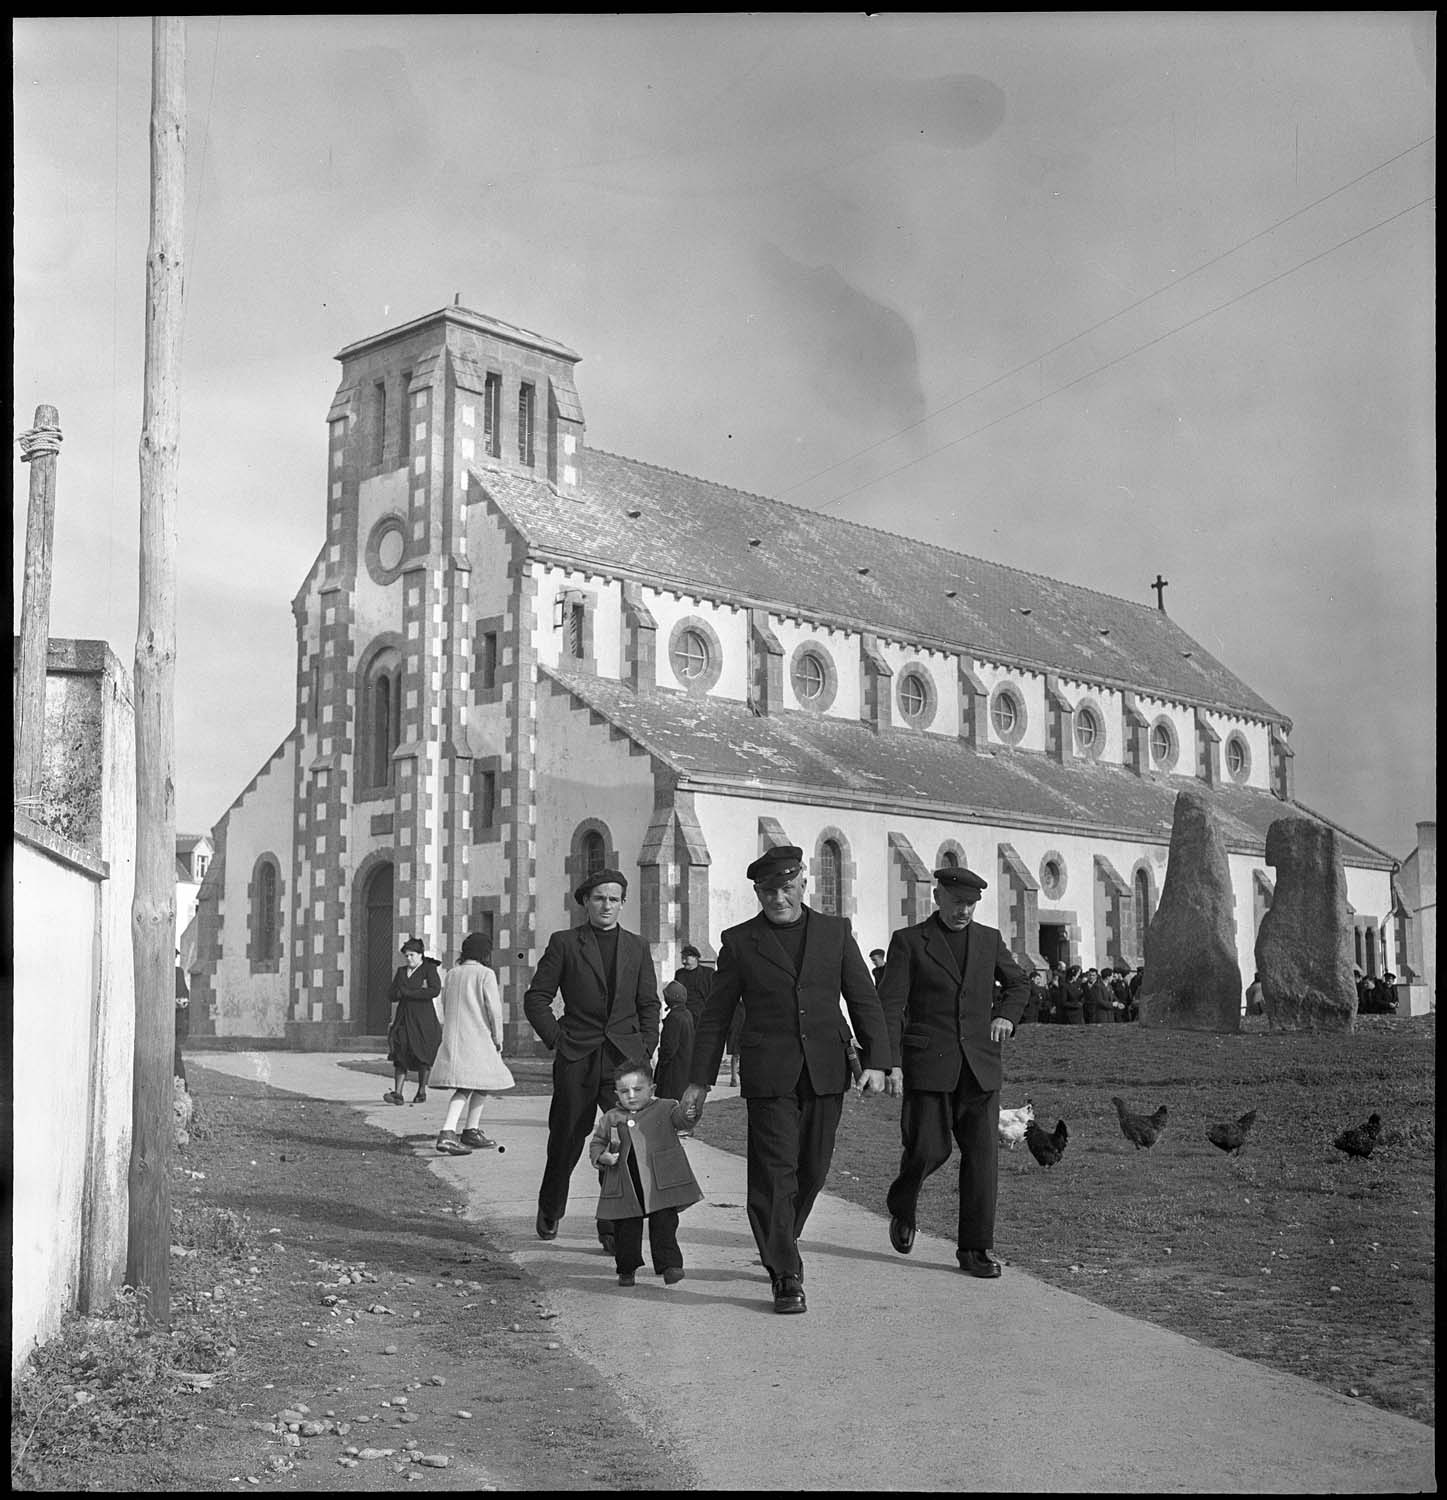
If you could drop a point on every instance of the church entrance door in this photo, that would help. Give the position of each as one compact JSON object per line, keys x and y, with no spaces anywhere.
{"x":379,"y":950}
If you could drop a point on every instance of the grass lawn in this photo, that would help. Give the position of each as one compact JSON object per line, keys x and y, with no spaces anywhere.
{"x":1292,"y":1255}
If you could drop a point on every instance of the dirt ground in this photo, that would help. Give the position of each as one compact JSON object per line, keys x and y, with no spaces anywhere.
{"x":363,"y":1307}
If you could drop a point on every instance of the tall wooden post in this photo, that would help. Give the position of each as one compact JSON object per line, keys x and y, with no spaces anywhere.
{"x":153,"y":910}
{"x":38,"y":448}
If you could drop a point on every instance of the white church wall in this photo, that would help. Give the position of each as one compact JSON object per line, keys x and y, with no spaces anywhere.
{"x":1257,"y":739}
{"x":606,"y":595}
{"x":1108,"y":708}
{"x":727,"y":622}
{"x":376,"y":607}
{"x":583,"y":772}
{"x":489,"y":553}
{"x":1029,"y":689}
{"x":940,"y":669}
{"x":249,"y":1003}
{"x":839,"y":648}
{"x":1182,"y":721}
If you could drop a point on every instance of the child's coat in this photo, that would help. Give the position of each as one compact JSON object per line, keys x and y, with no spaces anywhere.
{"x":651,"y":1136}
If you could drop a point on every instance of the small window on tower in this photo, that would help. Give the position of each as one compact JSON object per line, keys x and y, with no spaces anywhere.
{"x":575,"y":634}
{"x":404,"y":427}
{"x":525,"y":424}
{"x":492,"y":415}
{"x":379,"y":421}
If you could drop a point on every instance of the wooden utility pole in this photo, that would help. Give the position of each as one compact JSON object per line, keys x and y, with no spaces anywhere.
{"x":153,"y":910}
{"x":38,"y":448}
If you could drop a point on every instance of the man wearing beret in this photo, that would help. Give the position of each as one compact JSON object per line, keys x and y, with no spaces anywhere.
{"x":610,"y":1015}
{"x":946,"y":1031}
{"x":787,"y":968}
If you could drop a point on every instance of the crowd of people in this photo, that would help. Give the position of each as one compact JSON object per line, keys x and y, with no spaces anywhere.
{"x":800,"y":1017}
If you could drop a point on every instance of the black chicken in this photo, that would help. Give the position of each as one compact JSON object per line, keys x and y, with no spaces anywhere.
{"x":1360,"y":1139}
{"x":1047,"y":1147}
{"x":1231,"y":1135}
{"x":1140,"y":1130}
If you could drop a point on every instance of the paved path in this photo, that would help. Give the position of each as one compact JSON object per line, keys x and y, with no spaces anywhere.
{"x":904,"y":1374}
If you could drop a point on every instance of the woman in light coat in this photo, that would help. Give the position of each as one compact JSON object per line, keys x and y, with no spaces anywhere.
{"x":469,"y":1060}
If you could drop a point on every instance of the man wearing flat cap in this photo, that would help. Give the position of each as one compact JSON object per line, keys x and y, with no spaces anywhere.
{"x":610,"y":1015}
{"x":947,"y":1027}
{"x":787,"y":968}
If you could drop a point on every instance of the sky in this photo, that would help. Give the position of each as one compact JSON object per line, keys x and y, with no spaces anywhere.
{"x":1101,"y":296}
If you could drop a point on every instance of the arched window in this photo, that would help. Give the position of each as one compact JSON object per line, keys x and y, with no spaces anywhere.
{"x":263,"y":947}
{"x":595,"y":852}
{"x":590,"y":849}
{"x":379,"y":732}
{"x":952,"y":860}
{"x":831,"y":878}
{"x":1142,"y":890}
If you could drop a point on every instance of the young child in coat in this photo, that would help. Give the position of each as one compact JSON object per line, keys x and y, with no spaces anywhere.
{"x":646,"y":1174}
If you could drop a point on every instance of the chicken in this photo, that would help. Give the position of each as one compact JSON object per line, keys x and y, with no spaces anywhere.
{"x":1231,"y":1135}
{"x":1360,"y":1139}
{"x":1013,"y":1123}
{"x":1047,"y":1147}
{"x":1140,"y":1130}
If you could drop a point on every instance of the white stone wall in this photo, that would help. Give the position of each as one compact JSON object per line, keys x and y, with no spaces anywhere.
{"x":1257,"y":737}
{"x":941,"y":670}
{"x":54,"y":1009}
{"x":1109,"y":711}
{"x":729,"y":624}
{"x":1029,"y":689}
{"x":583,"y":772}
{"x":841,"y":648}
{"x":247,"y":1003}
{"x":1183,"y":722}
{"x":607,"y":596}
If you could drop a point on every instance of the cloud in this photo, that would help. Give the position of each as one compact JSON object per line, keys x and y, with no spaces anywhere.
{"x":859,"y":355}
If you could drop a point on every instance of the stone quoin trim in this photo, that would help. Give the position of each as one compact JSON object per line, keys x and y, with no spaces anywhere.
{"x":1114,"y":929}
{"x":911,"y":886}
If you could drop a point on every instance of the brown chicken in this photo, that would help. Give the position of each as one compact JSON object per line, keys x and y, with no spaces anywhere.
{"x":1046,"y":1146}
{"x":1230,"y":1135}
{"x":1140,"y":1130}
{"x":1360,"y":1139}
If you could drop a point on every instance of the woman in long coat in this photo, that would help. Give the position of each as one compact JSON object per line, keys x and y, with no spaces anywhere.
{"x":470,"y":1058}
{"x":413,"y":1037}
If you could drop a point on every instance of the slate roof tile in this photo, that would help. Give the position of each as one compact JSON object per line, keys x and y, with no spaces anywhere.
{"x":693,"y":532}
{"x":710,"y":737}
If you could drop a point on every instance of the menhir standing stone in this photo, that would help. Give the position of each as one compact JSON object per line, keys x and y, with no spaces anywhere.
{"x":1192,"y":980}
{"x":1304,"y":947}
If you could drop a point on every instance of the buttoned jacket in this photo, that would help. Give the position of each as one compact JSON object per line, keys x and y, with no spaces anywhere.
{"x":573,"y":963}
{"x":938,"y":1016}
{"x":791,"y":1017}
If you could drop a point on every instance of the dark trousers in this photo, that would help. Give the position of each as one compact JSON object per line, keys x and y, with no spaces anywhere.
{"x":927,"y":1123}
{"x":581,"y":1087}
{"x":662,"y":1241}
{"x":791,"y":1142}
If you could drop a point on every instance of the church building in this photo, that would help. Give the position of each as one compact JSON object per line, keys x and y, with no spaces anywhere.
{"x":520,"y":659}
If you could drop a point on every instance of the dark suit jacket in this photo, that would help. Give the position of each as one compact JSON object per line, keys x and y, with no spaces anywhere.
{"x":936,"y":1015}
{"x":790,"y":1020}
{"x":574,"y":964}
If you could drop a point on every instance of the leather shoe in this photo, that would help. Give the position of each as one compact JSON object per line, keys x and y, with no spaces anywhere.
{"x":978,"y":1263}
{"x":547,"y":1228}
{"x":901,"y":1235}
{"x":789,"y":1295}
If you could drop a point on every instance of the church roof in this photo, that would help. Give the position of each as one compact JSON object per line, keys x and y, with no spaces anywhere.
{"x":692,"y":533}
{"x":721,"y":740}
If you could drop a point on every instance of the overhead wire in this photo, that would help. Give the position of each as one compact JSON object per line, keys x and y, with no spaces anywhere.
{"x":1129,"y":353}
{"x":1035,"y":359}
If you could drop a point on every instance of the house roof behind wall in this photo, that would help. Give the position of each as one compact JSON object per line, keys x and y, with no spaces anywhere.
{"x":693,"y":534}
{"x":720,"y":740}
